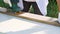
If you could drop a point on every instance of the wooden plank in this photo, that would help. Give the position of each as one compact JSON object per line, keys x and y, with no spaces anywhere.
{"x":38,"y":18}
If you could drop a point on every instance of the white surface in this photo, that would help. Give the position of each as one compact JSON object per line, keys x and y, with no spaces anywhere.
{"x":14,"y":25}
{"x":42,"y":4}
{"x":59,"y":17}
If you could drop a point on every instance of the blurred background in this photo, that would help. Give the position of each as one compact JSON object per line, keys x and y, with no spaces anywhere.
{"x":52,"y":8}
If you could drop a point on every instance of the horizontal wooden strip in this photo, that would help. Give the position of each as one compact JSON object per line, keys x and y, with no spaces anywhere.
{"x":38,"y":18}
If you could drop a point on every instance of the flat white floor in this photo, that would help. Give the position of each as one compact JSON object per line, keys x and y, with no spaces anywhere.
{"x":15,"y":25}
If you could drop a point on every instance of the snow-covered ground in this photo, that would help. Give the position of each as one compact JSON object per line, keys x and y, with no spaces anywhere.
{"x":15,"y":25}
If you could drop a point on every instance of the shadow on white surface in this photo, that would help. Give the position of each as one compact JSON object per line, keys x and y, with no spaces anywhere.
{"x":37,"y":30}
{"x":2,"y":33}
{"x":4,"y":17}
{"x":14,"y":25}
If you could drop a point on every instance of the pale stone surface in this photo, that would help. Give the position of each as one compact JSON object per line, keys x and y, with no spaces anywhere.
{"x":3,"y":9}
{"x":15,"y":25}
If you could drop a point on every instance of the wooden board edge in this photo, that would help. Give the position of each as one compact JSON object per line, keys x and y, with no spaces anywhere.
{"x":46,"y":22}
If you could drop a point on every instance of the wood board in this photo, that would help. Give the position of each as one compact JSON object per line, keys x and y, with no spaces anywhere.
{"x":34,"y":17}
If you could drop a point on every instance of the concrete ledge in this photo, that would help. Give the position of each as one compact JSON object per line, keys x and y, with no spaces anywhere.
{"x":38,"y":18}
